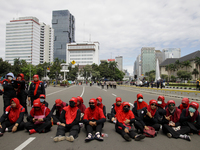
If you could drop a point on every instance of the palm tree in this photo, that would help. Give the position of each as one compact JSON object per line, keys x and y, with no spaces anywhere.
{"x":177,"y":64}
{"x":187,"y":64}
{"x":197,"y":62}
{"x":195,"y":72}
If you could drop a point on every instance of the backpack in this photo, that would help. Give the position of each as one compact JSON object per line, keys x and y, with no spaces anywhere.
{"x":149,"y":133}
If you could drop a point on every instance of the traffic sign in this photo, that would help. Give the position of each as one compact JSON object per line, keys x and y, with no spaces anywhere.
{"x":73,"y":62}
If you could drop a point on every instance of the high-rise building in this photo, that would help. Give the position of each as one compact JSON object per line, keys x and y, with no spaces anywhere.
{"x":63,"y":23}
{"x":23,"y":40}
{"x":159,"y":56}
{"x":85,"y":53}
{"x":119,"y":60}
{"x":46,"y":43}
{"x":148,"y":62}
{"x":138,"y":66}
{"x":171,"y":53}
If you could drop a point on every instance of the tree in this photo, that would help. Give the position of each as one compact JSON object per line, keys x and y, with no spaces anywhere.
{"x":55,"y":69}
{"x":86,"y":71}
{"x":186,"y":64}
{"x":73,"y":72}
{"x":5,"y":67}
{"x":164,"y":76}
{"x":170,"y":68}
{"x":16,"y":68}
{"x":177,"y":64}
{"x":184,"y":74}
{"x":197,"y":62}
{"x":195,"y":72}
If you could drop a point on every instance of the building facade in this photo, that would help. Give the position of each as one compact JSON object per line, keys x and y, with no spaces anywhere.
{"x":23,"y":40}
{"x":159,"y":56}
{"x":171,"y":53}
{"x":85,"y":53}
{"x":46,"y":43}
{"x":148,"y":62}
{"x":63,"y":23}
{"x":119,"y":60}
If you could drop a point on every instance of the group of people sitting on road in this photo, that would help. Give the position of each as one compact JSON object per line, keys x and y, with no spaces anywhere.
{"x":148,"y":119}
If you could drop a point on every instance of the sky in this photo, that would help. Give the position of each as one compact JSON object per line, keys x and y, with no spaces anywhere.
{"x":121,"y":27}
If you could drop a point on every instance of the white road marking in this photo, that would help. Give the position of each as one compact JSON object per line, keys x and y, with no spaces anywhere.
{"x":114,"y":95}
{"x":105,"y":90}
{"x":29,"y":140}
{"x":58,"y":91}
{"x":83,"y":91}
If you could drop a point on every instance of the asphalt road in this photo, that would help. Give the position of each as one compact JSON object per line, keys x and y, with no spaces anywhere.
{"x":114,"y":141}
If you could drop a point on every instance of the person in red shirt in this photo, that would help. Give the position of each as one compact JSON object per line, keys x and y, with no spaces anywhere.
{"x":161,"y":108}
{"x":39,"y":119}
{"x":171,"y":125}
{"x":93,"y":120}
{"x":125,"y":118}
{"x":69,"y":118}
{"x":184,"y":104}
{"x":12,"y":119}
{"x":80,"y":104}
{"x":101,"y":105}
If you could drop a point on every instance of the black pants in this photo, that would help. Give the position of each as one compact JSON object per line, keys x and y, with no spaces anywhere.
{"x":97,"y":128}
{"x":6,"y":101}
{"x":102,"y":86}
{"x":22,"y":98}
{"x":167,"y":129}
{"x":138,"y":125}
{"x":131,"y":133}
{"x":44,"y":127}
{"x":194,"y":128}
{"x":109,"y":116}
{"x":55,"y":119}
{"x":74,"y":130}
{"x":32,"y":99}
{"x":107,"y":86}
{"x":9,"y":125}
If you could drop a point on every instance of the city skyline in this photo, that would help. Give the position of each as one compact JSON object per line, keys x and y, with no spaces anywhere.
{"x":121,"y":29}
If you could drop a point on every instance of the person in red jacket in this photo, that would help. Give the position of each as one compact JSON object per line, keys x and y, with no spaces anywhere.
{"x":101,"y":105}
{"x":116,"y":108}
{"x":125,"y":118}
{"x":80,"y":104}
{"x":171,"y":125}
{"x":93,"y":120}
{"x":69,"y":117}
{"x":12,"y":119}
{"x":184,"y":104}
{"x":161,"y":108}
{"x":58,"y":106}
{"x":43,"y":100}
{"x":40,"y":118}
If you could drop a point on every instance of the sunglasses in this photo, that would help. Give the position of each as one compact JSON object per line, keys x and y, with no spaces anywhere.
{"x":171,"y":105}
{"x":91,"y":103}
{"x":153,"y":105}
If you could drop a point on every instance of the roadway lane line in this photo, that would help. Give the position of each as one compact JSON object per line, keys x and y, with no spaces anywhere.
{"x":58,"y":91}
{"x":83,"y":91}
{"x":114,"y":95}
{"x":105,"y":90}
{"x":20,"y":147}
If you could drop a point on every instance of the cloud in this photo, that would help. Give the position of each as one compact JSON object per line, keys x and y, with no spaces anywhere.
{"x":121,"y":27}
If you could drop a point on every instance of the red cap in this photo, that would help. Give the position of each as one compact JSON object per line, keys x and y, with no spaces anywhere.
{"x":21,"y":75}
{"x":36,"y":76}
{"x":80,"y":99}
{"x":58,"y":102}
{"x":139,"y":95}
{"x":153,"y":101}
{"x":99,"y":98}
{"x":194,"y":104}
{"x":125,"y":103}
{"x":42,"y":96}
{"x":36,"y":103}
{"x":161,"y":97}
{"x":118,"y":99}
{"x":185,"y":100}
{"x":74,"y":99}
{"x":171,"y":102}
{"x":93,"y":100}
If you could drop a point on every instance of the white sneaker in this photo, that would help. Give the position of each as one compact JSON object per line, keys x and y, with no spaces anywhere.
{"x":6,"y":129}
{"x":70,"y":138}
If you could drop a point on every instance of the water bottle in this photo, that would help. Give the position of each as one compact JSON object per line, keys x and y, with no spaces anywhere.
{"x":104,"y":135}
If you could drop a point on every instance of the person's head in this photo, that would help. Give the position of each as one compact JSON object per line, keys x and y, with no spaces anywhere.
{"x":35,"y":77}
{"x":92,"y":103}
{"x":58,"y":102}
{"x":99,"y":100}
{"x":185,"y":102}
{"x":10,"y":76}
{"x":14,"y":102}
{"x":140,"y":97}
{"x":80,"y":100}
{"x":193,"y":107}
{"x":20,"y":77}
{"x":171,"y":104}
{"x":42,"y":98}
{"x":126,"y":106}
{"x":160,"y":99}
{"x":73,"y":102}
{"x":118,"y":101}
{"x":37,"y":104}
{"x":153,"y":104}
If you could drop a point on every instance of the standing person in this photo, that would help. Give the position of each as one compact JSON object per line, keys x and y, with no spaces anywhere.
{"x":116,"y":107}
{"x":190,"y":117}
{"x":9,"y":89}
{"x":125,"y":118}
{"x":101,"y":105}
{"x":93,"y":120}
{"x":161,"y":83}
{"x":58,"y":106}
{"x":12,"y":119}
{"x":148,"y":117}
{"x":107,"y":84}
{"x":102,"y":84}
{"x":184,"y":104}
{"x":69,"y":117}
{"x":39,"y":119}
{"x":158,"y":84}
{"x":197,"y":84}
{"x":80,"y":104}
{"x":36,"y":88}
{"x":21,"y":93}
{"x":171,"y":125}
{"x":151,"y":83}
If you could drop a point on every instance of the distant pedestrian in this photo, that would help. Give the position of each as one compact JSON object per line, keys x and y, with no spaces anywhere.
{"x":197,"y":83}
{"x":158,"y":84}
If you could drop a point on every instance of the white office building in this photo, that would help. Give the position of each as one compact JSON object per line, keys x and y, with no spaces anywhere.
{"x":119,"y":60}
{"x":46,"y":43}
{"x":23,"y":40}
{"x":171,"y":53}
{"x":84,"y":53}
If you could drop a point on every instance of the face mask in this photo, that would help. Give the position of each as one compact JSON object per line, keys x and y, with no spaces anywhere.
{"x":192,"y":109}
{"x":92,"y":106}
{"x":126,"y":109}
{"x":71,"y":104}
{"x":159,"y":102}
{"x":140,"y":100}
{"x":41,"y":100}
{"x":10,"y":78}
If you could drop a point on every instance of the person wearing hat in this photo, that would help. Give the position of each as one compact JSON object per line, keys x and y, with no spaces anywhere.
{"x":36,"y":88}
{"x":148,"y":117}
{"x":116,"y":108}
{"x":40,"y":118}
{"x":9,"y":89}
{"x":58,"y":106}
{"x":12,"y":119}
{"x":161,"y":108}
{"x":69,"y":117}
{"x":190,"y":117}
{"x":184,"y":104}
{"x":171,"y":125}
{"x":101,"y":105}
{"x":93,"y":120}
{"x":43,"y":101}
